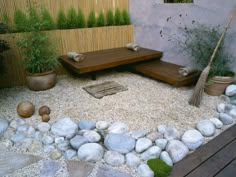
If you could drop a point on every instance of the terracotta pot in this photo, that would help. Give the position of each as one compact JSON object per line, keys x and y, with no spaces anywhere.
{"x":41,"y":81}
{"x":217,"y":85}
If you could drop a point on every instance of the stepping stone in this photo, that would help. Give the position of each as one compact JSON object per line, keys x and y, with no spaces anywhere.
{"x":107,"y":171}
{"x":49,"y":169}
{"x":79,"y":169}
{"x":11,"y":161}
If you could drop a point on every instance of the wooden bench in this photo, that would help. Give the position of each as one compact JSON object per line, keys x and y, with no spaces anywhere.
{"x":166,"y":72}
{"x":109,"y":58}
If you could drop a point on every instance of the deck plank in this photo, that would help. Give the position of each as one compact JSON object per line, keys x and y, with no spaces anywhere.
{"x":216,"y":163}
{"x":229,"y":170}
{"x":202,"y":154}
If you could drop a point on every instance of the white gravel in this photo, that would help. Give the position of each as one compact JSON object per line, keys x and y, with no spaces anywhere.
{"x":146,"y":104}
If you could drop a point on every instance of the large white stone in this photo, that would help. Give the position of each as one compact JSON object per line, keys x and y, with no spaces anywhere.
{"x":132,"y":160}
{"x":119,"y":143}
{"x":91,"y":152}
{"x":3,"y":126}
{"x":152,"y":153}
{"x":233,"y":113}
{"x":221,"y":107}
{"x":226,"y":119}
{"x":87,"y":124}
{"x":230,"y":90}
{"x":78,"y":141}
{"x":192,"y":139}
{"x":92,"y":136}
{"x":64,"y":127}
{"x":166,"y":158}
{"x":44,"y":127}
{"x":102,"y":125}
{"x":145,"y":171}
{"x":218,"y":124}
{"x":118,"y":127}
{"x":177,"y":150}
{"x":169,"y":132}
{"x":138,"y":134}
{"x":114,"y":158}
{"x":206,"y":127}
{"x":161,"y":143}
{"x":143,"y":144}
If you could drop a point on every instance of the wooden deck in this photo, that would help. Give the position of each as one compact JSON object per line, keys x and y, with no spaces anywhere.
{"x":215,"y":159}
{"x":166,"y":72}
{"x":109,"y":58}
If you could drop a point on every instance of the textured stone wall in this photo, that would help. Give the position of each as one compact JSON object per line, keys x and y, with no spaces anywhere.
{"x":149,"y":17}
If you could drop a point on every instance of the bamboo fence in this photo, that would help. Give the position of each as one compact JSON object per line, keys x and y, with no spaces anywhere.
{"x":80,"y":40}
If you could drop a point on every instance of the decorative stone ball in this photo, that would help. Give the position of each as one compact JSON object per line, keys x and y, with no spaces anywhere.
{"x":45,"y":118}
{"x":44,"y":110}
{"x":25,"y":109}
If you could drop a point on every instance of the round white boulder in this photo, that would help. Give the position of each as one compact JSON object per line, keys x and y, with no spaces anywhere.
{"x":206,"y":127}
{"x":90,"y":152}
{"x":192,"y":139}
{"x":114,"y":158}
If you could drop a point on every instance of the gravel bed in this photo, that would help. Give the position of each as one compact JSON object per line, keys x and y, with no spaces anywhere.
{"x":146,"y":104}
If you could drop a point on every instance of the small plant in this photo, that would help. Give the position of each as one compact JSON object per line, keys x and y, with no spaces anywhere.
{"x":160,"y":168}
{"x":38,"y":52}
{"x":126,"y":18}
{"x":61,"y":20}
{"x":198,"y":42}
{"x":3,"y":47}
{"x":3,"y":28}
{"x":81,"y":22}
{"x":92,"y":19}
{"x":47,"y":20}
{"x":101,"y":20}
{"x":109,"y":18}
{"x":72,"y":18}
{"x":33,"y":19}
{"x":118,"y":17}
{"x":21,"y":21}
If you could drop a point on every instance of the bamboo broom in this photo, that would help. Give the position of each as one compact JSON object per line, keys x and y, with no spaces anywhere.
{"x":196,"y":98}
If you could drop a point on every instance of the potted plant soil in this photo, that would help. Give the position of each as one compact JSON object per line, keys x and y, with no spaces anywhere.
{"x":39,"y":55}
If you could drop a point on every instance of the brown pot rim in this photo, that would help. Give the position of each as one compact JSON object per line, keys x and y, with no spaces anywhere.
{"x":40,"y":74}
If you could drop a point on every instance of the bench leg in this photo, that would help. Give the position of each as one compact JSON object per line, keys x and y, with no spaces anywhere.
{"x":93,"y":76}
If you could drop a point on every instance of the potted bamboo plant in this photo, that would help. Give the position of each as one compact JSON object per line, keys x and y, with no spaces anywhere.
{"x":39,"y":54}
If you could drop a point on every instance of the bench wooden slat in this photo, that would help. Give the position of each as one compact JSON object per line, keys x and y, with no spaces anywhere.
{"x":216,"y":163}
{"x":104,"y":59}
{"x":166,"y":72}
{"x":229,"y":170}
{"x":202,"y":154}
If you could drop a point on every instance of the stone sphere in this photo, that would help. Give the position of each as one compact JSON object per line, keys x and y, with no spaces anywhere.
{"x":44,"y":110}
{"x":45,"y":118}
{"x":25,"y":109}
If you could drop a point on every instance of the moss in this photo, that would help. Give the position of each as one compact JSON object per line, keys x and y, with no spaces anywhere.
{"x":160,"y":168}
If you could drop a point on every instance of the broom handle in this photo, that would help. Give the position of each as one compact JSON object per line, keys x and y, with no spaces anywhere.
{"x":221,"y":38}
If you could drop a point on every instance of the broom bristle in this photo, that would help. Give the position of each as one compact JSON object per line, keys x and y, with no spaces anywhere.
{"x":196,"y":98}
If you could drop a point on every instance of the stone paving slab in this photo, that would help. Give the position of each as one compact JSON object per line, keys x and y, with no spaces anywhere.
{"x":49,"y":168}
{"x":11,"y":161}
{"x":79,"y":169}
{"x":107,"y":171}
